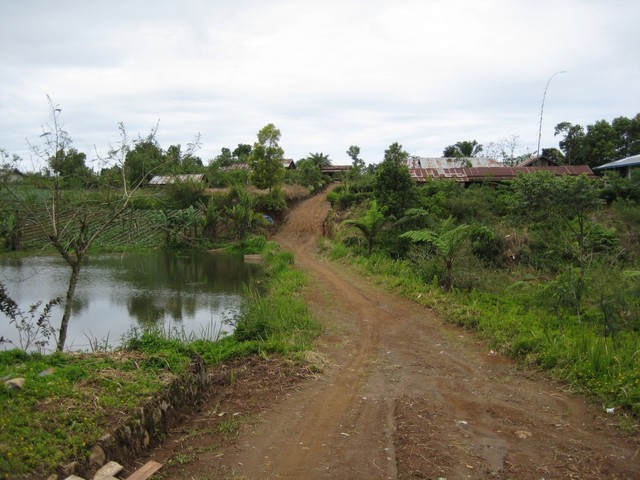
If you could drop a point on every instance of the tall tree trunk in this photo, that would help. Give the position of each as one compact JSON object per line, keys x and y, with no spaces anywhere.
{"x":68,"y":302}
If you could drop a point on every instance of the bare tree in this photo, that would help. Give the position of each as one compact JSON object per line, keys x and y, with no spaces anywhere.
{"x":72,"y":220}
{"x":508,"y":151}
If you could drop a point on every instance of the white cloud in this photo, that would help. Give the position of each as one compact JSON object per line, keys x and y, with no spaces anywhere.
{"x":328,"y":74}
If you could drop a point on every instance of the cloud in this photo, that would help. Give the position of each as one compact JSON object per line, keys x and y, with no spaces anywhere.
{"x":328,"y":74}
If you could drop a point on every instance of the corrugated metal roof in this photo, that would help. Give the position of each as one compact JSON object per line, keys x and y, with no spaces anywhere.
{"x":633,"y":161}
{"x":170,"y":179}
{"x":466,"y":175}
{"x":335,"y":168}
{"x":451,"y":162}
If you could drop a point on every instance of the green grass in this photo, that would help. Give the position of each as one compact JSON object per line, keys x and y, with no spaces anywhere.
{"x":513,"y":322}
{"x":56,"y":418}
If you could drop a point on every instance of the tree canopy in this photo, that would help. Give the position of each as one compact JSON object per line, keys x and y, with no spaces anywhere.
{"x":266,"y":159}
{"x":599,"y":143}
{"x":394,"y":188}
{"x":466,"y":148}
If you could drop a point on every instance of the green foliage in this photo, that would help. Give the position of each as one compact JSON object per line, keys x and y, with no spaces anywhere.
{"x":241,"y":216}
{"x":446,"y":241}
{"x":559,"y":204}
{"x":273,"y":202}
{"x":466,"y":148}
{"x":308,"y":174}
{"x":184,"y":194}
{"x":394,"y":189}
{"x":486,"y":244}
{"x":602,"y":142}
{"x":266,"y":159}
{"x":70,"y":167}
{"x":369,"y":224}
{"x":143,"y":161}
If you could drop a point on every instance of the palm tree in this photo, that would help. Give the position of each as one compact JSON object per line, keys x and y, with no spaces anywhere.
{"x":319,"y":159}
{"x":464,"y":149}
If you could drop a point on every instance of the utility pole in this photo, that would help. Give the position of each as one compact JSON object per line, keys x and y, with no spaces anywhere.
{"x":544,"y":95}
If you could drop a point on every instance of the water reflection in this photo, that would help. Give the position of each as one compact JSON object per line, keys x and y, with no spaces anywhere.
{"x":115,"y":292}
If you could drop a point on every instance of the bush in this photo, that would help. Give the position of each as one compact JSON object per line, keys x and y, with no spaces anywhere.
{"x":486,"y":244}
{"x":185,"y":194}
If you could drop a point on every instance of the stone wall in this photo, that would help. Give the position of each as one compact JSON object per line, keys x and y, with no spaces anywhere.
{"x":149,"y":424}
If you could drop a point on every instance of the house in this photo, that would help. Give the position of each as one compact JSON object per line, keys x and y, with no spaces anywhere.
{"x":288,"y":164}
{"x":492,"y":174}
{"x":11,"y":175}
{"x":171,"y":179}
{"x":538,"y":162}
{"x":623,"y":166}
{"x":334,"y":170}
{"x":451,"y":162}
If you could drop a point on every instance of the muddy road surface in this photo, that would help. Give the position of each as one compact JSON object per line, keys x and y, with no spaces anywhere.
{"x":400,"y":396}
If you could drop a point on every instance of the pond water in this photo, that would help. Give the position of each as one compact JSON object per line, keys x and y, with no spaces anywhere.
{"x":196,"y":294}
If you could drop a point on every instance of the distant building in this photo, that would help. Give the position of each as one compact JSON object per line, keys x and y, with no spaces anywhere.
{"x":11,"y":175}
{"x":171,"y":179}
{"x":451,"y":162}
{"x":492,"y":174}
{"x":538,"y":162}
{"x":288,"y":164}
{"x":334,"y":170}
{"x":623,"y":166}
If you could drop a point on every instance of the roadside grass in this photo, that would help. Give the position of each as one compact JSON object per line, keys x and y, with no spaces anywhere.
{"x":69,"y":400}
{"x":605,"y":368}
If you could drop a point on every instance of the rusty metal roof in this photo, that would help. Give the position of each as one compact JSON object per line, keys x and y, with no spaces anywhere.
{"x":466,"y":175}
{"x":170,"y":179}
{"x":451,"y":162}
{"x":335,"y":168}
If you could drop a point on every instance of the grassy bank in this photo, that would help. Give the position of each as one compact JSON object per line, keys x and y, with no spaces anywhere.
{"x":512,"y":321}
{"x":69,"y":399}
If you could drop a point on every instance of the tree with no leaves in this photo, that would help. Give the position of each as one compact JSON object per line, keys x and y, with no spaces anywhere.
{"x":72,"y":220}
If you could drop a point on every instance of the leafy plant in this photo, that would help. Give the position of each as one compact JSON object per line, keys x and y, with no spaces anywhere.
{"x":34,"y":327}
{"x":369,"y":224}
{"x":446,"y":241}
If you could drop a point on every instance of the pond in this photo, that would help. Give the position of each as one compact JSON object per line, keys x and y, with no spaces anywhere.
{"x":195,"y":294}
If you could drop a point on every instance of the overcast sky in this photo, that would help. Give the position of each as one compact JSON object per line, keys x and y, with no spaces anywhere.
{"x":328,"y":74}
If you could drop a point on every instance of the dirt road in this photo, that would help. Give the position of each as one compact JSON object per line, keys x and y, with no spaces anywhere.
{"x":401,"y":396}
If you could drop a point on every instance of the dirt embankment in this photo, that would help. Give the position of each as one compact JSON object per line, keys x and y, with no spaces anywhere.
{"x":401,"y":396}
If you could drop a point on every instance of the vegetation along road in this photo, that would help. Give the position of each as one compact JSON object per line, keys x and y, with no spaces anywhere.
{"x":400,"y":396}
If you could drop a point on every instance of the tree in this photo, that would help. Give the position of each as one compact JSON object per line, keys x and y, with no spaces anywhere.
{"x":70,"y":166}
{"x":71,"y":223}
{"x":628,"y":136}
{"x":241,"y":153}
{"x":319,"y":159}
{"x":357,"y":164}
{"x":265,"y":159}
{"x":560,"y":203}
{"x":225,"y":158}
{"x":553,"y":154}
{"x":508,"y":151}
{"x":571,"y":144}
{"x":144,"y":160}
{"x":308,"y":174}
{"x":447,"y":242}
{"x":394,"y":189}
{"x":466,"y":148}
{"x":369,"y":224}
{"x":600,"y":143}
